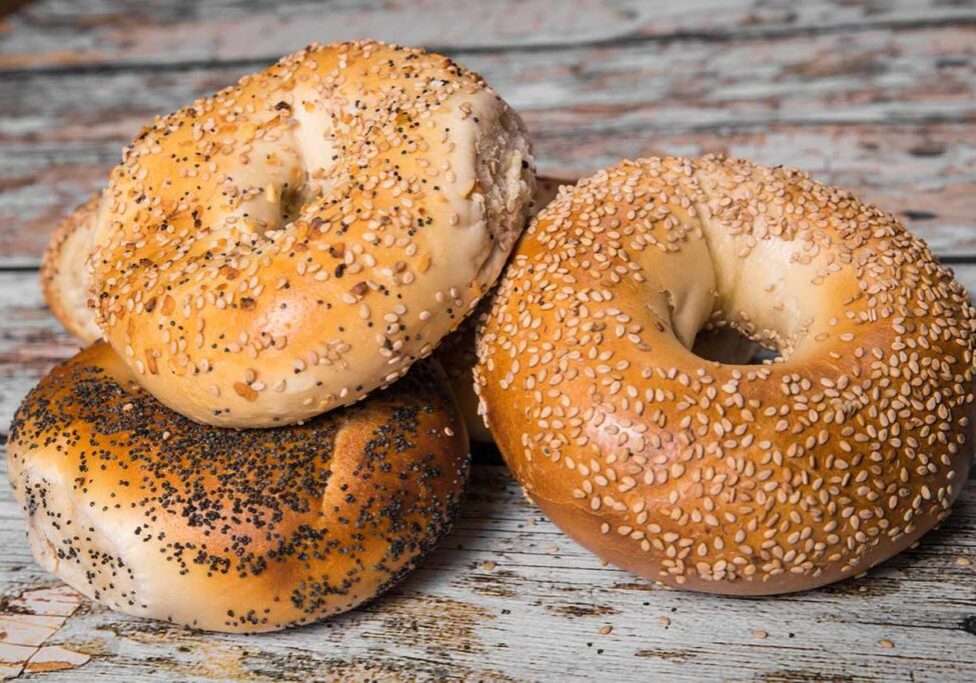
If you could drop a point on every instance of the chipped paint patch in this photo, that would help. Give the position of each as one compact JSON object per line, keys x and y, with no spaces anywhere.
{"x":433,"y":622}
{"x":675,"y":656}
{"x":579,"y":609}
{"x":500,"y":583}
{"x":55,"y":658}
{"x":27,"y":621}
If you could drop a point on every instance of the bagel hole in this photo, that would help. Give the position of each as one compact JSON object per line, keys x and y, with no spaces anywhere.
{"x":292,"y":202}
{"x":725,"y":344}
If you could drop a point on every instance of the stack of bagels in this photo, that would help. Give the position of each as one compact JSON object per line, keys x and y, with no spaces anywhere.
{"x":280,"y":290}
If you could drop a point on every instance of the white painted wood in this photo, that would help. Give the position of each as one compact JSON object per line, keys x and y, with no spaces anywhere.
{"x":885,"y":114}
{"x":49,"y":35}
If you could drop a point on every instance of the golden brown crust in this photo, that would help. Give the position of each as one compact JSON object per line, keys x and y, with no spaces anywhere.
{"x":64,"y":280}
{"x":155,"y":515}
{"x":748,"y":479}
{"x":64,"y":274}
{"x":456,"y":354}
{"x":299,"y":239}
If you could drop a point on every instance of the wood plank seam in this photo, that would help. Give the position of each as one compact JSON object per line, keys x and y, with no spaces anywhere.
{"x":626,"y":40}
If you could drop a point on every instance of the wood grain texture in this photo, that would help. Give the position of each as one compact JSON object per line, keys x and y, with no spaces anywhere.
{"x":873,"y":95}
{"x":67,"y":34}
{"x":889,"y":114}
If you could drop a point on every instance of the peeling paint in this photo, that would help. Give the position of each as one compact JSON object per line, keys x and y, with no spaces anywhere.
{"x":27,"y":621}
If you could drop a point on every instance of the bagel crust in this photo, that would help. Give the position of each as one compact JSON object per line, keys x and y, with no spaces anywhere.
{"x":298,"y":240}
{"x":64,"y":271}
{"x":718,"y":477}
{"x":456,"y":353}
{"x":64,"y":281}
{"x":156,"y":515}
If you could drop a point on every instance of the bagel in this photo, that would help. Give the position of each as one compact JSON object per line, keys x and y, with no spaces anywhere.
{"x":64,"y":271}
{"x":64,"y":281}
{"x":297,"y":240}
{"x":715,"y":476}
{"x":456,"y":353}
{"x":156,"y":515}
{"x":457,"y":356}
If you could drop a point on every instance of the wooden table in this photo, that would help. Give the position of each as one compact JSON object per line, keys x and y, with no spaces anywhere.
{"x":876,"y":95}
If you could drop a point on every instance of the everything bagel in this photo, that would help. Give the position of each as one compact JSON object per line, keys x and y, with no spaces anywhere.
{"x":64,"y":271}
{"x":298,"y":240}
{"x":721,"y":477}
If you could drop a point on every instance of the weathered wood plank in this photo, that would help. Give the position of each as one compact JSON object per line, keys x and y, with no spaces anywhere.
{"x":887,"y":114}
{"x":98,"y":32}
{"x":920,"y":75}
{"x":508,"y":597}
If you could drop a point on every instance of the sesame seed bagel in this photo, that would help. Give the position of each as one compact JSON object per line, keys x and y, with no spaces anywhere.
{"x":456,"y":353}
{"x":64,"y":271}
{"x":297,"y":240}
{"x":717,"y":476}
{"x":155,"y":515}
{"x":64,"y":282}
